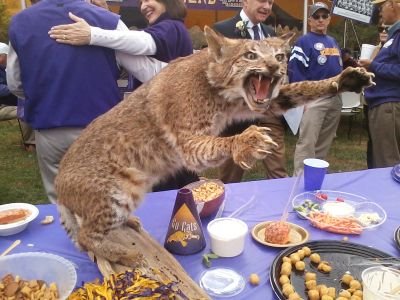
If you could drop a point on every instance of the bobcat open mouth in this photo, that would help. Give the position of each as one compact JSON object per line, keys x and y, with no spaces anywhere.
{"x":260,"y":89}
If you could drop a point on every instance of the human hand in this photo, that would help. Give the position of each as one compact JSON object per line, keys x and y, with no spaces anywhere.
{"x":77,"y":33}
{"x":365,"y":63}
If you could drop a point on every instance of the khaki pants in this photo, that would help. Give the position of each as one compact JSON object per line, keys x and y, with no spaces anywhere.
{"x":384,"y":127}
{"x":51,"y":145}
{"x":274,"y":163}
{"x":317,"y":130}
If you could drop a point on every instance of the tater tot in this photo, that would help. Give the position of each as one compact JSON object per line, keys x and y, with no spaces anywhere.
{"x":286,"y":259}
{"x":324,"y":266}
{"x":342,"y":298}
{"x":294,"y":257}
{"x":284,"y":279}
{"x":287,"y":290}
{"x":355,"y":298}
{"x":327,"y":297}
{"x":311,"y":284}
{"x":301,"y":253}
{"x":345,"y":294}
{"x":313,"y":295}
{"x":294,"y":296}
{"x":323,"y":290}
{"x":310,"y":276}
{"x":346,"y":278}
{"x":315,"y":258}
{"x":286,"y":269}
{"x":355,"y":284}
{"x":358,"y":293}
{"x":332,"y":292}
{"x":300,"y":265}
{"x":307,"y":251}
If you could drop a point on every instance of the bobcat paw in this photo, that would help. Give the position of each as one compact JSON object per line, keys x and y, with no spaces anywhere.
{"x":354,"y":80}
{"x":134,"y":223}
{"x":252,"y":144}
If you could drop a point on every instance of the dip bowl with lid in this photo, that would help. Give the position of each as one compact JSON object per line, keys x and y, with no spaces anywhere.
{"x":227,"y":236}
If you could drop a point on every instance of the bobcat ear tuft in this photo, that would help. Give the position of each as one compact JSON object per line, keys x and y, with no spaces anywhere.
{"x":287,"y":37}
{"x":215,"y":42}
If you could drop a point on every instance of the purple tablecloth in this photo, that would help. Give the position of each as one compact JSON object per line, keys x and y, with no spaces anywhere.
{"x":271,"y":197}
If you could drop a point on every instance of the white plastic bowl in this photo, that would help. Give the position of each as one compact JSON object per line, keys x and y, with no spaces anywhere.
{"x":381,"y":282}
{"x":16,"y":227}
{"x":43,"y":266}
{"x":227,"y":236}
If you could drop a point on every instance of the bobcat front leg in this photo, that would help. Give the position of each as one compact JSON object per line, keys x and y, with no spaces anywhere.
{"x":208,"y":151}
{"x":300,"y":93}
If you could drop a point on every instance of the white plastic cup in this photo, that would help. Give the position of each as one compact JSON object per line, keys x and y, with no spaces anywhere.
{"x":366,"y":51}
{"x":381,"y":283}
{"x":314,"y":173}
{"x":227,"y":236}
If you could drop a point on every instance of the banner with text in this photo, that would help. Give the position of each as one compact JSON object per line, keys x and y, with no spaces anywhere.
{"x":192,"y":4}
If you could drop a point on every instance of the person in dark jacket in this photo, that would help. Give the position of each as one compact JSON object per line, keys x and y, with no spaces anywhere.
{"x":248,"y":24}
{"x":383,"y":99}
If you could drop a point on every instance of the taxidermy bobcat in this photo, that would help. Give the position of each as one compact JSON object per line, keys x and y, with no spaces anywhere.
{"x":173,"y":121}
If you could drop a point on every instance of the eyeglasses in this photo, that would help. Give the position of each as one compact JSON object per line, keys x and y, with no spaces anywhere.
{"x":383,"y":29}
{"x":317,"y":17}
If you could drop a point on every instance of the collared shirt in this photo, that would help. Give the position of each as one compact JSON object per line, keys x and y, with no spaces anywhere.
{"x":250,"y":25}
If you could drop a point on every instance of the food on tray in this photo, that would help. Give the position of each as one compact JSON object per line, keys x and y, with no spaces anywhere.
{"x":350,"y":287}
{"x":367,"y":219}
{"x":16,"y":288}
{"x":13,"y":215}
{"x":307,"y":206}
{"x":128,"y":285}
{"x":338,"y":208}
{"x":343,"y":225}
{"x":207,"y":191}
{"x":277,"y":232}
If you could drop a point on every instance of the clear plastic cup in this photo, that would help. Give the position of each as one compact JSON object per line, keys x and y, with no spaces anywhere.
{"x":381,"y":283}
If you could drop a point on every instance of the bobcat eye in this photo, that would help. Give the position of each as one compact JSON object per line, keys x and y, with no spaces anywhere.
{"x":250,"y":55}
{"x":280,"y":57}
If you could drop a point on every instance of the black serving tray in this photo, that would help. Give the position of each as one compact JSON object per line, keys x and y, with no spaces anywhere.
{"x":397,"y":237}
{"x":340,"y":254}
{"x":396,"y":173}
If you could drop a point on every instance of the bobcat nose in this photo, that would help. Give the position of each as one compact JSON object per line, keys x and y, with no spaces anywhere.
{"x":272,"y":66}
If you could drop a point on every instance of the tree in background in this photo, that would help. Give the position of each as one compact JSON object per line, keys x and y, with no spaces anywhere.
{"x":4,"y":22}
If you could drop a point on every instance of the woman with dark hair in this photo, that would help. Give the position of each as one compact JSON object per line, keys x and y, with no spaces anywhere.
{"x":165,"y":39}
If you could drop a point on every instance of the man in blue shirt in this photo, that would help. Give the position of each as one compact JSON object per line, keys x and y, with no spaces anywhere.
{"x":384,"y":99}
{"x":316,"y":56}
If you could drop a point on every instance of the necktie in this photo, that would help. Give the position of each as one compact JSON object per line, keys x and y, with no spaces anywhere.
{"x":256,"y":32}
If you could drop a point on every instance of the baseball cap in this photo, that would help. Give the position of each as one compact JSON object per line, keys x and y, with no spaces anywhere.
{"x":317,"y":6}
{"x":381,"y":1}
{"x":3,"y":48}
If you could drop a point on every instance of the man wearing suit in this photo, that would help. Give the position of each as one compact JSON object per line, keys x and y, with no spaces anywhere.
{"x":248,"y":25}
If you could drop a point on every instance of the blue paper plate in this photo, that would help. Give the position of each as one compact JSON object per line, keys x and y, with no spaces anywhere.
{"x":396,"y":173}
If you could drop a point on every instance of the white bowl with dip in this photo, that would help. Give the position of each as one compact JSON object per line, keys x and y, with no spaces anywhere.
{"x":227,"y":236}
{"x":381,"y":283}
{"x":338,"y":209}
{"x":15,"y":227}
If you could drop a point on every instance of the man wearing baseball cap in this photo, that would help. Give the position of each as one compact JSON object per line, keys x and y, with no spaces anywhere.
{"x":384,"y":98}
{"x":316,"y":56}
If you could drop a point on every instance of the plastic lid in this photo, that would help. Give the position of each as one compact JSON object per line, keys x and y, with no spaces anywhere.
{"x":222,"y":282}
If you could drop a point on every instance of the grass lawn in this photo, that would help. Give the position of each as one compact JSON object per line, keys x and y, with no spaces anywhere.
{"x":20,"y":178}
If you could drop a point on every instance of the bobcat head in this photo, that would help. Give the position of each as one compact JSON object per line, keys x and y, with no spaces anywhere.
{"x":255,"y":70}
